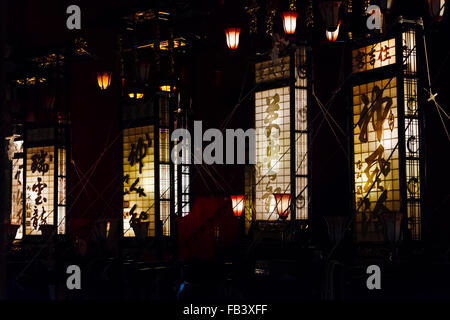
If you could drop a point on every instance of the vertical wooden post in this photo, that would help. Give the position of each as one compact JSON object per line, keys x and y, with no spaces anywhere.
{"x":292,"y":68}
{"x":3,"y":156}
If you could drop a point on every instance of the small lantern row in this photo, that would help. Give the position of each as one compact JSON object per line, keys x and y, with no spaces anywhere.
{"x":282,"y":204}
{"x":104,"y":81}
{"x":289,"y":25}
{"x":329,"y":10}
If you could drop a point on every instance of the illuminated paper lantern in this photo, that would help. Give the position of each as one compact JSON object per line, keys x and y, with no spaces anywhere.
{"x":103,"y":80}
{"x":330,"y":13}
{"x":154,"y":189}
{"x":290,"y":21}
{"x":333,"y":35}
{"x":386,"y":140}
{"x":282,"y":160}
{"x":436,"y":9}
{"x":232,"y":36}
{"x":283,"y":204}
{"x":45,"y":163}
{"x":238,"y":202}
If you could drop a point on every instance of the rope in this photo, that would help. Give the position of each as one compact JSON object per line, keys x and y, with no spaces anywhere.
{"x":433,"y":96}
{"x":438,"y":109}
{"x":321,"y":107}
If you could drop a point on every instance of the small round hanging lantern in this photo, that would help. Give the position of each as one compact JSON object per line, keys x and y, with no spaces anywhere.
{"x":330,"y":13}
{"x":290,"y":21}
{"x":436,"y":9}
{"x":104,"y":80}
{"x":333,"y":35}
{"x":283,"y":204}
{"x":237,"y":202}
{"x":232,"y":35}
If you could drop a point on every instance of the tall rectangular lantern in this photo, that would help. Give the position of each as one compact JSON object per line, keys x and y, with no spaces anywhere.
{"x":151,"y":191}
{"x":387,"y":153}
{"x":44,"y":187}
{"x":281,"y":123}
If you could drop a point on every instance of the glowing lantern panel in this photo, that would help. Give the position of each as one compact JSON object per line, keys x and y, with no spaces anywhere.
{"x":148,"y":177}
{"x":273,"y":131}
{"x":374,"y":56}
{"x":40,"y":188}
{"x":139,"y":185}
{"x":380,"y":109}
{"x":376,"y":159}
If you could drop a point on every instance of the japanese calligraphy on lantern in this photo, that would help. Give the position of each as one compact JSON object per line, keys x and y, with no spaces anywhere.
{"x":374,"y":56}
{"x":138,"y":181}
{"x":375,"y":129}
{"x":40,"y":186}
{"x":272,"y":145}
{"x":273,"y":119}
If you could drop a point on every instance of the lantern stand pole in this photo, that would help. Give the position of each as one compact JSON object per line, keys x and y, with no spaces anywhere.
{"x":156,"y":134}
{"x":423,"y":156}
{"x":310,"y":82}
{"x":173,"y":235}
{"x":292,"y":50}
{"x":3,"y":155}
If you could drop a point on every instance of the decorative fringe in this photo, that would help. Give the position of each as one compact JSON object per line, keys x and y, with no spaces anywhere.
{"x":309,"y":15}
{"x":270,"y":19}
{"x":292,"y":6}
{"x":348,"y":6}
{"x":252,"y":9}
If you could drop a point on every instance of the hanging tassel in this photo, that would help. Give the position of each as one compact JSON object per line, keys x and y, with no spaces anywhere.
{"x":292,"y":6}
{"x":309,"y":15}
{"x":252,"y":10}
{"x":348,"y":6}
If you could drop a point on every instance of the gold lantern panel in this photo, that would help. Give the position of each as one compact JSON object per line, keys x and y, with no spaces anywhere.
{"x":376,"y":158}
{"x":273,"y":131}
{"x":138,"y":181}
{"x":40,"y":188}
{"x":374,"y":56}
